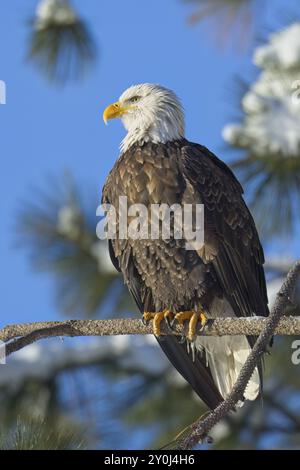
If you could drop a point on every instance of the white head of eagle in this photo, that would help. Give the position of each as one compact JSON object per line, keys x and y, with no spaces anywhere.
{"x":150,"y":113}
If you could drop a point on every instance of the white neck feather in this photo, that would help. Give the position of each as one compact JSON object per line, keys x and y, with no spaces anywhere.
{"x":156,"y":134}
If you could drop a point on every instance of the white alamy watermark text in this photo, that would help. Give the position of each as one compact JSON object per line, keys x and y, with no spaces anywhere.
{"x":296,"y":352}
{"x":152,"y":222}
{"x":2,"y":92}
{"x":2,"y":353}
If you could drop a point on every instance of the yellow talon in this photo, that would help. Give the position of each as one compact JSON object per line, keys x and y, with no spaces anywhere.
{"x":181,"y":317}
{"x":147,"y":316}
{"x":193,"y":318}
{"x":192,"y":326}
{"x":203,"y":319}
{"x":157,"y":318}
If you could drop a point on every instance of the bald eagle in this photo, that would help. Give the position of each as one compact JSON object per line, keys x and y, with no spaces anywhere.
{"x":224,"y":277}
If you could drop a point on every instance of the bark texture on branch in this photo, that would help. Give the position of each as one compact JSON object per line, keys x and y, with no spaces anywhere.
{"x":27,"y":333}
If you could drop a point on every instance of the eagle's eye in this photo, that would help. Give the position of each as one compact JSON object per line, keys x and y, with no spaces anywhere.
{"x":134,"y":99}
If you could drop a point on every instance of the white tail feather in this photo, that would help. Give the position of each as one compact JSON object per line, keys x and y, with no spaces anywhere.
{"x":226,"y":356}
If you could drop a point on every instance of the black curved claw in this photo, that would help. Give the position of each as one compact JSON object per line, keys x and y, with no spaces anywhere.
{"x":170,"y":323}
{"x":145,"y":322}
{"x":209,"y":322}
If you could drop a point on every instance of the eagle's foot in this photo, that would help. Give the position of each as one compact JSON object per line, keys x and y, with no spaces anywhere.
{"x":157,"y":318}
{"x":193,"y":319}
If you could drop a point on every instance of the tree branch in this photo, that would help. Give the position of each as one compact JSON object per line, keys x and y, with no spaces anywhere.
{"x":27,"y":333}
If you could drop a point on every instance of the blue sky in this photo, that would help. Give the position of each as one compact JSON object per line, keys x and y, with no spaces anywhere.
{"x":47,"y":130}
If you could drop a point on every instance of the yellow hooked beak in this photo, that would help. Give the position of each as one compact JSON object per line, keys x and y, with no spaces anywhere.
{"x":113,"y":111}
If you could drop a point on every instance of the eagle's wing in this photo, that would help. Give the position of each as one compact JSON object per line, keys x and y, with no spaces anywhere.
{"x":231,"y":242}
